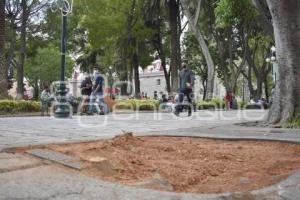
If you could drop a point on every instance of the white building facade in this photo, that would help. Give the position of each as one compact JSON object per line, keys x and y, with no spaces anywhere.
{"x":152,"y":79}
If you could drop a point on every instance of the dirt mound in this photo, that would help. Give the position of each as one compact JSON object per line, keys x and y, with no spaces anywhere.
{"x":124,"y":141}
{"x":187,"y":164}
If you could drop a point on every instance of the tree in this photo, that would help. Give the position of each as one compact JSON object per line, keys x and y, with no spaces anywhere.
{"x":120,"y":32}
{"x":193,"y":22}
{"x":264,"y":16}
{"x":3,"y":68}
{"x":257,"y":52}
{"x":13,"y":10}
{"x":155,"y":16}
{"x":174,"y":21}
{"x":196,"y":59}
{"x":29,"y":9}
{"x":20,"y":65}
{"x":286,"y":22}
{"x":44,"y":68}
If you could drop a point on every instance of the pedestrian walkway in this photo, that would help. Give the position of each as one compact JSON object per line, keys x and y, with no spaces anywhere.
{"x":30,"y":178}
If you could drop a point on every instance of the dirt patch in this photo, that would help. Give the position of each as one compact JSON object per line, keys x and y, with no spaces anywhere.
{"x":187,"y":164}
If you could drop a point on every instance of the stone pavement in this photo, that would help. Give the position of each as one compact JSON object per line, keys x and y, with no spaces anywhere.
{"x":30,"y":178}
{"x":18,"y":131}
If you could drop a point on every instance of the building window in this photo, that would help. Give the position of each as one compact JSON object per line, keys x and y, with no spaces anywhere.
{"x":157,"y":81}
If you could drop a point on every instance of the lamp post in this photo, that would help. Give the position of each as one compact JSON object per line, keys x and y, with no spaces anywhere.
{"x":62,"y":108}
{"x":272,"y":61}
{"x":111,"y":79}
{"x":243,"y":89}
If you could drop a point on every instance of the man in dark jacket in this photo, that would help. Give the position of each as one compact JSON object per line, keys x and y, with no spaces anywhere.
{"x":96,"y":100}
{"x":186,"y":83}
{"x":86,"y":90}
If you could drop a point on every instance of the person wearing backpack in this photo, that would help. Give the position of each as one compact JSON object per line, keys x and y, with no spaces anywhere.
{"x":186,"y":83}
{"x":86,"y":91}
{"x":97,"y":94}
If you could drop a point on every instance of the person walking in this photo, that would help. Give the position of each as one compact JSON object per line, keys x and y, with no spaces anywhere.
{"x":86,"y":91}
{"x":45,"y":100}
{"x":186,"y":83}
{"x":228,"y":100}
{"x":97,"y":93}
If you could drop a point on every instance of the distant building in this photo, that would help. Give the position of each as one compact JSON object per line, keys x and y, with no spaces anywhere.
{"x":153,"y":79}
{"x":28,"y":90}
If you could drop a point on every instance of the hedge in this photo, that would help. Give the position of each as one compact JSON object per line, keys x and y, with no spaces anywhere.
{"x":150,"y":104}
{"x":137,"y":104}
{"x":294,"y":121}
{"x":217,"y":104}
{"x":212,"y":104}
{"x":12,"y":106}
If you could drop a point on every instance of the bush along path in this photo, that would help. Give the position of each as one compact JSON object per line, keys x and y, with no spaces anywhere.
{"x":10,"y":107}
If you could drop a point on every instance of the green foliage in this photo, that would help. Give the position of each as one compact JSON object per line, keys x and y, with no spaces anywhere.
{"x":216,"y":104}
{"x":294,"y":121}
{"x":122,"y":105}
{"x":260,"y":43}
{"x":45,"y":66}
{"x":242,"y":104}
{"x":212,"y":104}
{"x":232,"y":12}
{"x":12,"y":106}
{"x":137,"y":104}
{"x":118,"y":30}
{"x":194,"y":56}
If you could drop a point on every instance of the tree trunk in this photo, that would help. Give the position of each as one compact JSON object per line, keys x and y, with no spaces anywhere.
{"x":204,"y":48}
{"x":36,"y":88}
{"x":125,"y":80}
{"x":264,"y":17}
{"x":161,"y":52}
{"x":3,"y":68}
{"x":137,"y":89}
{"x":204,"y":84}
{"x":175,"y":44}
{"x":286,"y":22}
{"x":166,"y":73}
{"x":267,"y":89}
{"x":12,"y":47}
{"x":20,"y":66}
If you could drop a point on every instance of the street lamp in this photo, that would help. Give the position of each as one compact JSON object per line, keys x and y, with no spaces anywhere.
{"x":273,"y":62}
{"x":62,"y":108}
{"x":111,"y":79}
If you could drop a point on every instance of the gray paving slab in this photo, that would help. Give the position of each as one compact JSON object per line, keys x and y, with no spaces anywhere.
{"x":48,"y":182}
{"x":233,"y":132}
{"x":20,"y":131}
{"x":10,"y":162}
{"x":68,"y":161}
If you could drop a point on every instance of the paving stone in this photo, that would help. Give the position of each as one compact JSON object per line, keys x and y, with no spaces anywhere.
{"x":9,"y":162}
{"x":241,"y":196}
{"x":58,"y":157}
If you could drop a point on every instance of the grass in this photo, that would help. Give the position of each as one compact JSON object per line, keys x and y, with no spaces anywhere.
{"x":294,"y":122}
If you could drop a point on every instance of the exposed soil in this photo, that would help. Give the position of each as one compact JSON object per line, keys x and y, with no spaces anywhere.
{"x":189,"y":164}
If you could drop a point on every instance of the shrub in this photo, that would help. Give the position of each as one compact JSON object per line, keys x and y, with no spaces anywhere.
{"x":218,"y":102}
{"x":137,"y":104}
{"x":294,"y":121}
{"x":123,"y":105}
{"x":212,"y":104}
{"x":242,"y":104}
{"x":12,"y":106}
